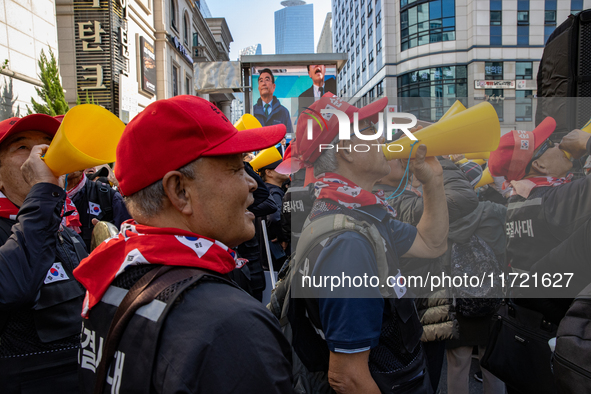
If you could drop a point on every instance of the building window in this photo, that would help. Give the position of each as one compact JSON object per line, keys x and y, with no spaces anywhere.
{"x":175,"y":81}
{"x":188,"y":85}
{"x":369,"y":8}
{"x":364,"y":65}
{"x":549,"y":18}
{"x":429,"y":22}
{"x":195,"y":39}
{"x":356,"y":12}
{"x":362,"y":19}
{"x":380,"y":88}
{"x":370,"y":30}
{"x":353,"y":77}
{"x":496,"y":22}
{"x":358,"y":73}
{"x":352,"y":57}
{"x":352,"y":40}
{"x":522,"y":22}
{"x":523,"y":70}
{"x":493,"y":70}
{"x":370,"y":57}
{"x":496,"y":98}
{"x":370,"y":94}
{"x":428,"y":93}
{"x":576,"y":6}
{"x":523,"y":105}
{"x":186,"y":30}
{"x":363,"y":41}
{"x":378,"y":18}
{"x":357,"y":50}
{"x":357,"y":30}
{"x":173,"y":14}
{"x":379,"y":47}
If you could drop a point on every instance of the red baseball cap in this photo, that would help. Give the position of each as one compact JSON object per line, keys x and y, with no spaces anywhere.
{"x":34,"y":122}
{"x":325,"y":129}
{"x":516,"y":149}
{"x":171,"y":133}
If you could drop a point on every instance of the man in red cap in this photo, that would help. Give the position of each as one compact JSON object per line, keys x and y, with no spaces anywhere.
{"x":40,"y":300}
{"x":365,"y":338}
{"x":180,"y":168}
{"x":545,"y":208}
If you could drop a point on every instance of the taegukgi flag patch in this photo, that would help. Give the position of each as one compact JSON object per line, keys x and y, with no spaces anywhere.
{"x":56,"y":273}
{"x":94,"y":209}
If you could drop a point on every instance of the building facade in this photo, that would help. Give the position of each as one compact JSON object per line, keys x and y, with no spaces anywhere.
{"x":26,"y":28}
{"x":325,"y":40}
{"x":294,"y":28}
{"x":428,"y":53}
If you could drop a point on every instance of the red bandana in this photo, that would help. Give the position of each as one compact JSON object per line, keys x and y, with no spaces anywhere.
{"x":137,"y":244}
{"x":9,"y":211}
{"x":525,"y":186}
{"x":337,"y":188}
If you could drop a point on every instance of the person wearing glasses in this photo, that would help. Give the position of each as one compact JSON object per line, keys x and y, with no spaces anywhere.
{"x":545,"y":207}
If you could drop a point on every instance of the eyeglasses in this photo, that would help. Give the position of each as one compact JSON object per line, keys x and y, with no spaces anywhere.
{"x":548,"y":144}
{"x":371,"y":126}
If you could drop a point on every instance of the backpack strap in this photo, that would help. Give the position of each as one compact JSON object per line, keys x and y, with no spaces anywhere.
{"x":331,"y":225}
{"x":144,"y":291}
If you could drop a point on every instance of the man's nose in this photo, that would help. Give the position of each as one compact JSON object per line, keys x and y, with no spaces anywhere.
{"x":252,"y":184}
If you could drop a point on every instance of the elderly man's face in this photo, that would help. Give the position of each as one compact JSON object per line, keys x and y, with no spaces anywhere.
{"x":554,"y":162}
{"x":223,"y":191}
{"x":14,"y":151}
{"x":266,"y":85}
{"x":371,"y":164}
{"x":316,"y":72}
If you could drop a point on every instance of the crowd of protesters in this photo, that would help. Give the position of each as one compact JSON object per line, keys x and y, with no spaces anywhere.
{"x":175,"y":302}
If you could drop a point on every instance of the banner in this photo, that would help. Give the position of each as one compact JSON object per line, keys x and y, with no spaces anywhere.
{"x":148,"y":73}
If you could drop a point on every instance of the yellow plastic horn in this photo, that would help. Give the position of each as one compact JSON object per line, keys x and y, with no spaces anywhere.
{"x":476,"y":129}
{"x":247,"y":122}
{"x":87,"y":137}
{"x":456,"y":108}
{"x":587,"y":127}
{"x":265,"y":157}
{"x":485,"y":179}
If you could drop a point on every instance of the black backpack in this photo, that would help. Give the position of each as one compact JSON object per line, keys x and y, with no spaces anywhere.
{"x":572,"y":360}
{"x":476,"y":259}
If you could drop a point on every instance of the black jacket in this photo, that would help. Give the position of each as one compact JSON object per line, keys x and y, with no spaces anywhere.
{"x":39,"y":298}
{"x":208,"y":337}
{"x":460,"y":196}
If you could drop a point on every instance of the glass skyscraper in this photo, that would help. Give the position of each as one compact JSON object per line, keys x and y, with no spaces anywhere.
{"x":294,"y":28}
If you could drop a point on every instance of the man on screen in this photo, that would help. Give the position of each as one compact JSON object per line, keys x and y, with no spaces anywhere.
{"x":268,"y":110}
{"x":319,"y":85}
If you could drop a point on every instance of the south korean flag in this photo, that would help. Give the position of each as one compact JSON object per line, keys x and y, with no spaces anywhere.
{"x":55,"y":274}
{"x":94,"y":209}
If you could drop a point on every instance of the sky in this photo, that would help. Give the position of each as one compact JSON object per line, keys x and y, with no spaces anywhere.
{"x":253,"y":22}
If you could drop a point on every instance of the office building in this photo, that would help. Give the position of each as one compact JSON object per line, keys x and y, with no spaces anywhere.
{"x":446,"y":49}
{"x":294,"y":28}
{"x":325,"y":40}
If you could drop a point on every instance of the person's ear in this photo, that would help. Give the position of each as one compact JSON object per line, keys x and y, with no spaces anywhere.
{"x":176,"y":189}
{"x":344,"y":154}
{"x":539,"y":167}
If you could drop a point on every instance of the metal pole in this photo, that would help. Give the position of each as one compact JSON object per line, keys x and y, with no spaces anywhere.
{"x":269,"y":258}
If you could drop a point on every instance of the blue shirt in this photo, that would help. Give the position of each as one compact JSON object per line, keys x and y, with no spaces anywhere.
{"x":352,"y":325}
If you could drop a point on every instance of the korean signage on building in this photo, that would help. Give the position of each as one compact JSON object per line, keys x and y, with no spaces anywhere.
{"x":102,"y":50}
{"x":148,"y":72}
{"x":494,"y":84}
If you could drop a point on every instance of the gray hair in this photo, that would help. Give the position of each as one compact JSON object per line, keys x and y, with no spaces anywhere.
{"x":327,"y":161}
{"x":147,"y":202}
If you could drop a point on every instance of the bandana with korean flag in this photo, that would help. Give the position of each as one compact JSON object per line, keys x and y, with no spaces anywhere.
{"x":138,"y":244}
{"x":341,"y":190}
